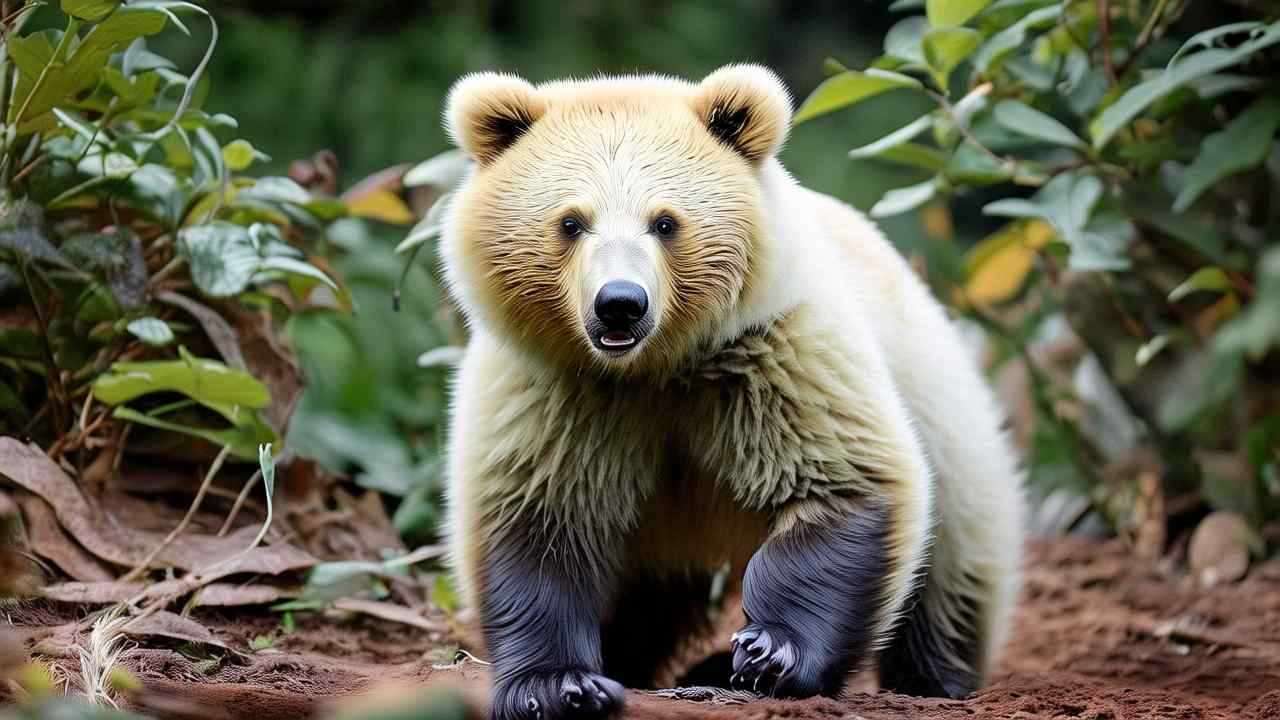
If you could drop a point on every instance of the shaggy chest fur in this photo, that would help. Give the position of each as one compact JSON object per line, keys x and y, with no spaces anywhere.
{"x":698,"y":466}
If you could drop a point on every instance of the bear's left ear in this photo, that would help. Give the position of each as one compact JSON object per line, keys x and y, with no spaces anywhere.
{"x":746,"y":107}
{"x":487,"y":112}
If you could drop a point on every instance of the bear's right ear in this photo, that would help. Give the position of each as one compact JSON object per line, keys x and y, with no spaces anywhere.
{"x":487,"y":112}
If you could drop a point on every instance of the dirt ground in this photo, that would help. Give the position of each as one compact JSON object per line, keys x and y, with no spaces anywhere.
{"x":1093,"y":639}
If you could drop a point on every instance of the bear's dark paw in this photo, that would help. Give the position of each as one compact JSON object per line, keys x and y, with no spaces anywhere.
{"x":769,"y":660}
{"x":558,"y":695}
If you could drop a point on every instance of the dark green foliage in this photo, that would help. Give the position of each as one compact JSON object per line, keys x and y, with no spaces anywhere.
{"x":1136,"y":154}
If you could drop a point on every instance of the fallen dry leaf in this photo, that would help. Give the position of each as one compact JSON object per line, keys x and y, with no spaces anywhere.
{"x":228,"y":595}
{"x":388,"y":611}
{"x":171,"y":626}
{"x":220,"y":332}
{"x":48,"y":540}
{"x":17,"y":575}
{"x":212,"y":595}
{"x":112,"y":540}
{"x":271,"y":363}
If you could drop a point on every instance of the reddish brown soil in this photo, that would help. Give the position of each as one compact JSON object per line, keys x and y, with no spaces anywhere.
{"x":1094,"y":639}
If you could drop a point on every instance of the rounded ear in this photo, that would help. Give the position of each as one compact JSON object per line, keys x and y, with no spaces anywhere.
{"x":746,"y":107}
{"x":487,"y":112}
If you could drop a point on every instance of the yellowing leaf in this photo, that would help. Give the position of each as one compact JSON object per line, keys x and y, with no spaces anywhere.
{"x":937,"y":222}
{"x":382,"y":205}
{"x":999,"y":265}
{"x":240,"y":154}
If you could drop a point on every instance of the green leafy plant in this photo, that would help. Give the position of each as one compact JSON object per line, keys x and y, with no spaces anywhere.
{"x":131,"y":245}
{"x":1131,"y":149}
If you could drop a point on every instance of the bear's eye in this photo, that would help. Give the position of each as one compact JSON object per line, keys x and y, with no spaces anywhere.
{"x":664,"y":226}
{"x":571,"y":227}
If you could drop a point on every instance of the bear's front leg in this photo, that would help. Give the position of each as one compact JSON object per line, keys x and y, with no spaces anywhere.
{"x":813,"y":595}
{"x":541,"y":605}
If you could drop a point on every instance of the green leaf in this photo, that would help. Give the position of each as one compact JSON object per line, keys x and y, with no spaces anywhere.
{"x":443,"y":595}
{"x":913,"y":155}
{"x":109,"y":165}
{"x":849,"y":88}
{"x":1028,"y":121}
{"x":91,"y":10}
{"x":444,"y":171}
{"x":905,"y":40}
{"x":1102,"y":243}
{"x":326,"y":209}
{"x":904,"y":5}
{"x":208,"y":382}
{"x":152,"y":331}
{"x":995,"y":50}
{"x":428,"y":228}
{"x":1150,"y":349}
{"x":243,"y":437}
{"x":277,"y":190}
{"x":290,"y":266}
{"x":443,"y":356}
{"x":138,"y":59}
{"x":946,"y":48}
{"x":1067,"y":203}
{"x":1256,"y":330}
{"x":950,"y":13}
{"x":898,"y":137}
{"x":971,"y":165}
{"x":1184,"y":71}
{"x":268,"y":467}
{"x":222,"y":257}
{"x":1204,"y":382}
{"x":1208,"y":38}
{"x":1241,"y":145}
{"x":1212,"y":279}
{"x":29,"y":242}
{"x":905,"y":199}
{"x":832,"y":66}
{"x":240,"y":154}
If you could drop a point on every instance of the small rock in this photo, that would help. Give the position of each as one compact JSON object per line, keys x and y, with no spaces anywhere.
{"x":1219,"y":549}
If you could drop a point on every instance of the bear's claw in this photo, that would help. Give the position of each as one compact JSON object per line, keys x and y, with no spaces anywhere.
{"x":562,"y":695}
{"x":764,"y":660}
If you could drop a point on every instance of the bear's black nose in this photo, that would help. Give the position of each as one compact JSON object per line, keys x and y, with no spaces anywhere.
{"x":620,"y":304}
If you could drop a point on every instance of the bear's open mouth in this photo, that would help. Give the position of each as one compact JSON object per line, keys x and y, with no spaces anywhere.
{"x":616,"y":342}
{"x":617,"y":339}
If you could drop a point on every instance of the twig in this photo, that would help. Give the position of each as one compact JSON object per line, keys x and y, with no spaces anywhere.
{"x":1104,"y":30}
{"x":240,"y":500}
{"x":1144,"y":37}
{"x":164,"y":272}
{"x":30,"y":168}
{"x":56,"y":389}
{"x":186,"y":519}
{"x":1130,"y":323}
{"x":963,"y":127}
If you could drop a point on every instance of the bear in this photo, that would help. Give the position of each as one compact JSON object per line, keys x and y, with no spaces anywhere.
{"x":680,"y":360}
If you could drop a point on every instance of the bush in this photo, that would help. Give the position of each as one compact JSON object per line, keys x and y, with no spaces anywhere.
{"x":141,"y":274}
{"x":1130,"y":149}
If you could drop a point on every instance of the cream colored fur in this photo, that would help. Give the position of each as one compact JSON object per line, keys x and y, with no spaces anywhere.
{"x":806,"y":373}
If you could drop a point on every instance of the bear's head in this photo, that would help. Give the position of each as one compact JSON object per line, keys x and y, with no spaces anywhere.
{"x":612,"y":222}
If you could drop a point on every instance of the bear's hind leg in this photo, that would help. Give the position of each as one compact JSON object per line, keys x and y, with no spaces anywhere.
{"x":935,"y":651}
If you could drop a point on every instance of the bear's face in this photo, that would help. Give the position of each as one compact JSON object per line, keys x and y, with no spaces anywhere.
{"x":611,"y":222}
